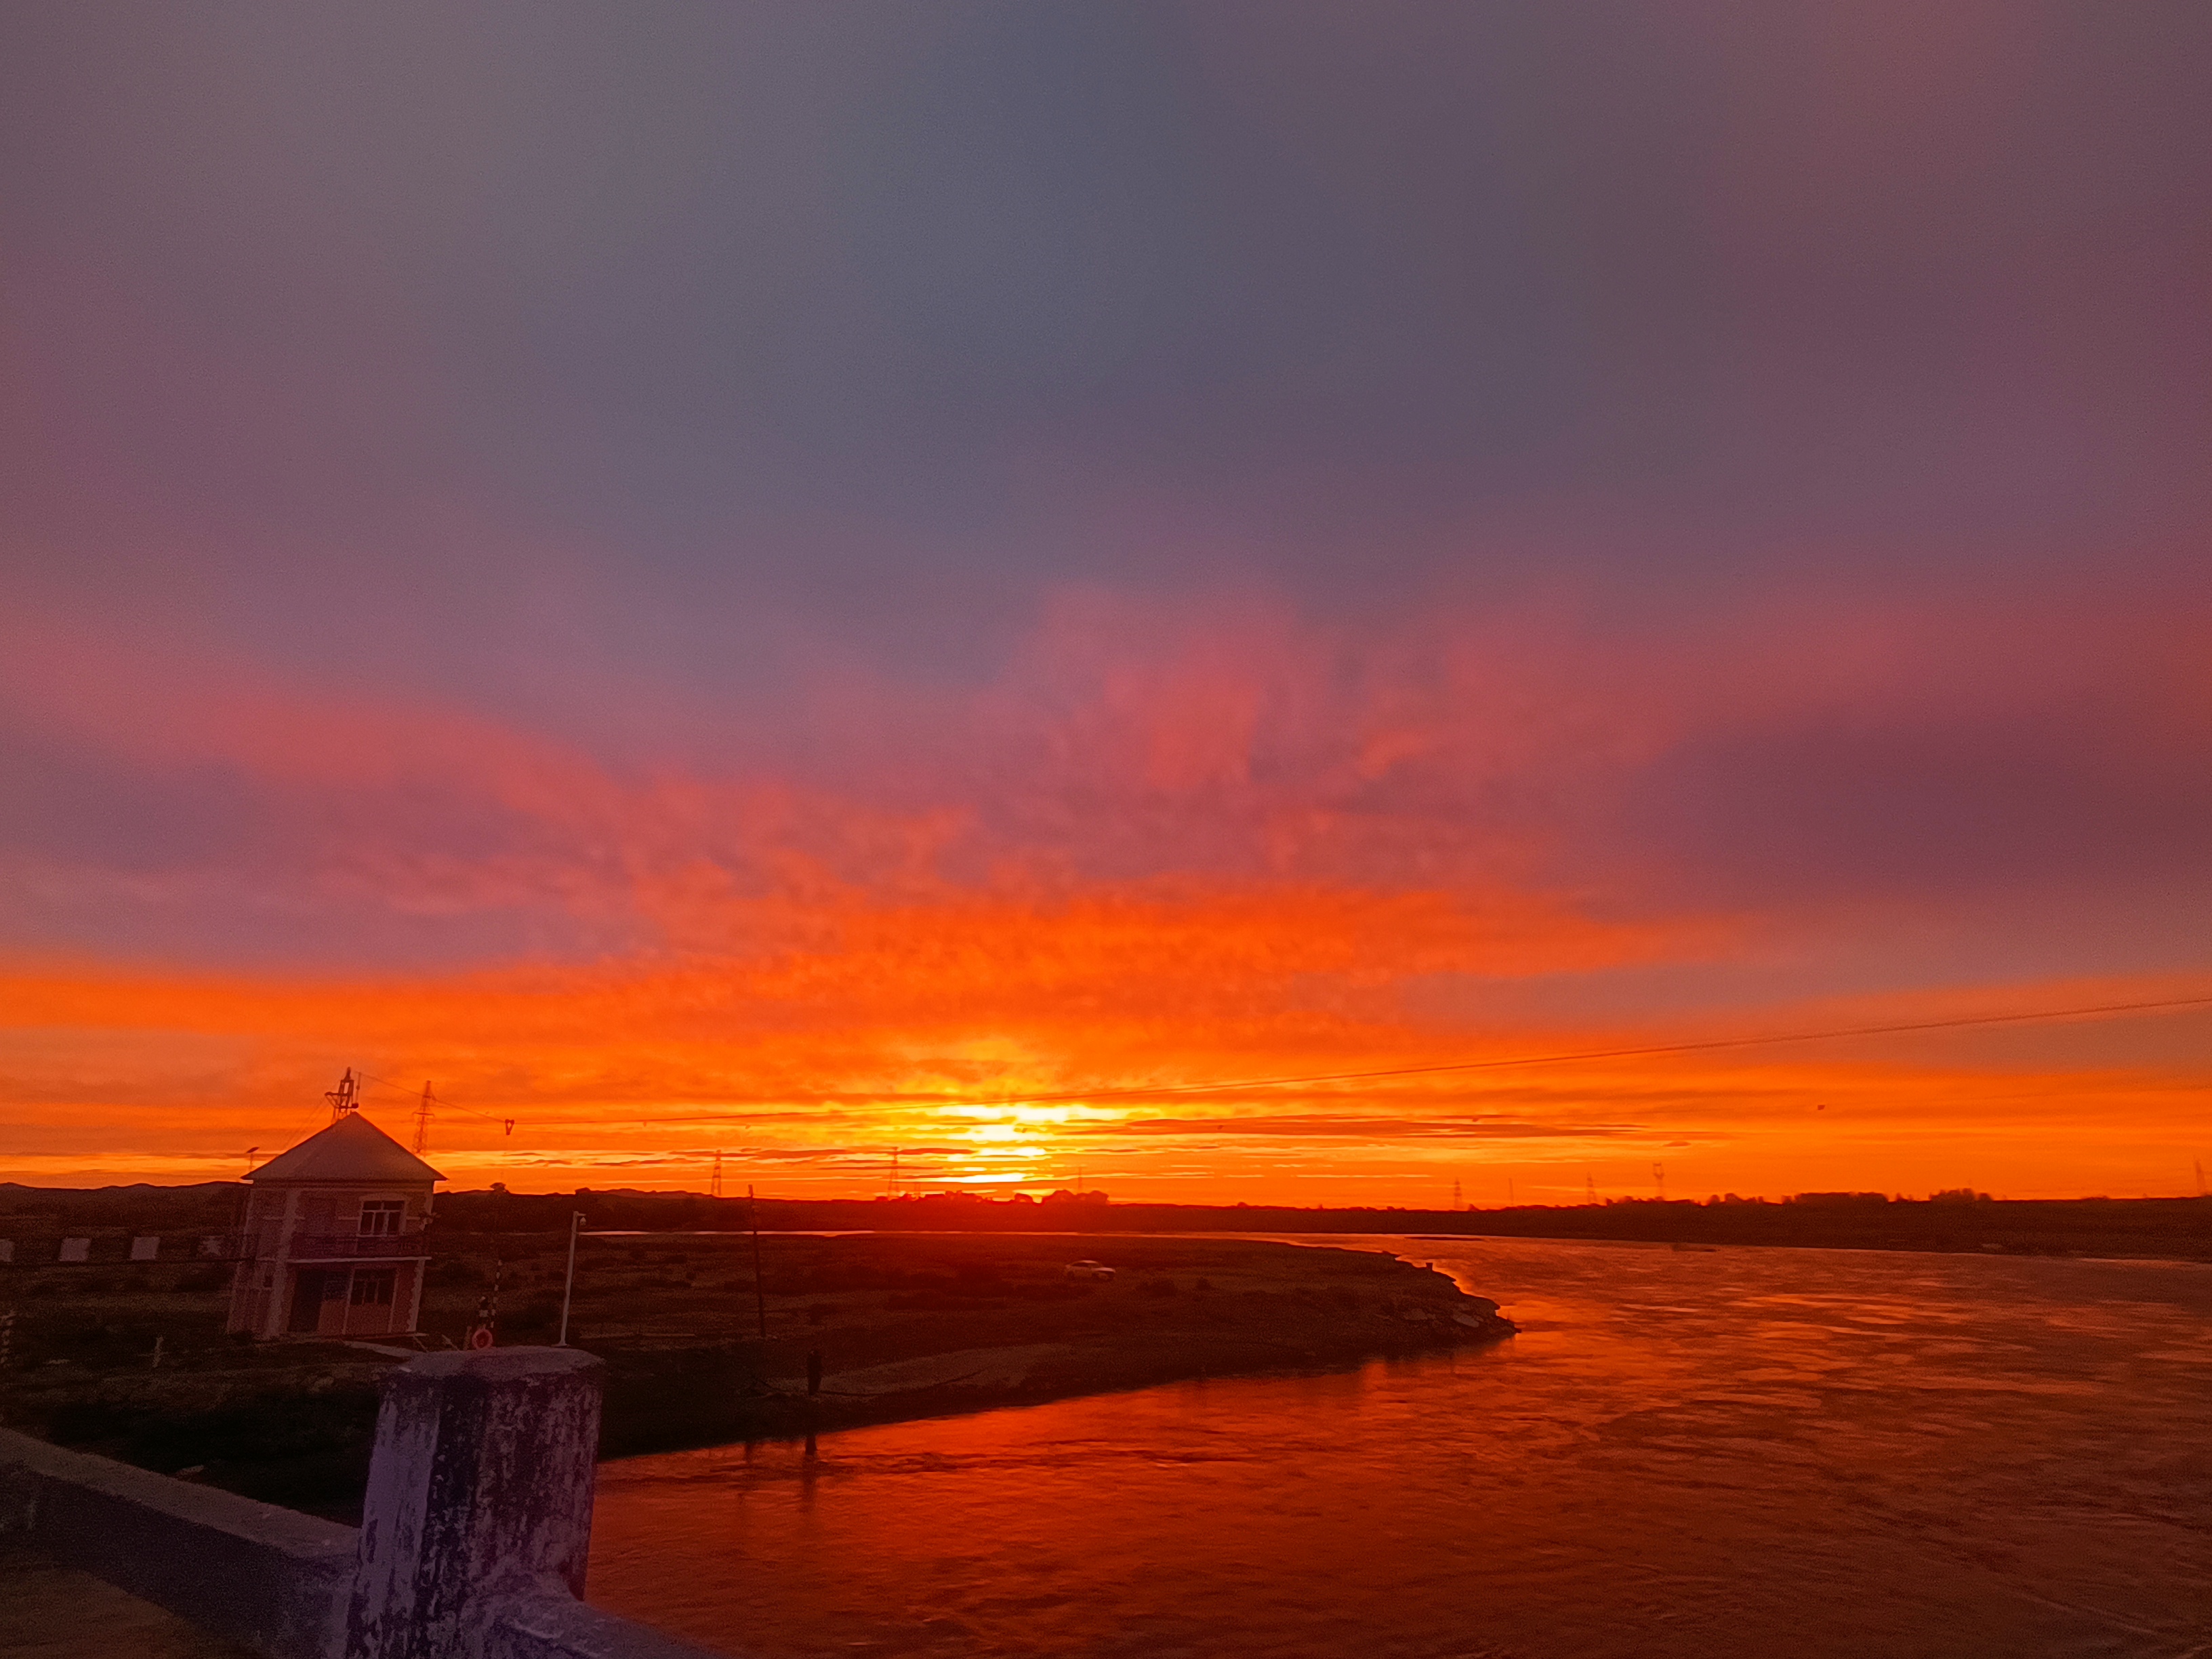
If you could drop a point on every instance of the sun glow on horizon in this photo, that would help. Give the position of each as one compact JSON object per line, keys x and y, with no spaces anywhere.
{"x":1764,"y":1125}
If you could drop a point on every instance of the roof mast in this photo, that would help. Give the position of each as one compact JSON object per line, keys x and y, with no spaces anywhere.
{"x":345,"y":1097}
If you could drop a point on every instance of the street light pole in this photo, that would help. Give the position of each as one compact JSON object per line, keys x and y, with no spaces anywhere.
{"x":575,"y":1220}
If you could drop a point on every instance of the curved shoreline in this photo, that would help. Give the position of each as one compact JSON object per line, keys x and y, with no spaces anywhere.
{"x":905,"y":1326}
{"x":1000,"y":1327}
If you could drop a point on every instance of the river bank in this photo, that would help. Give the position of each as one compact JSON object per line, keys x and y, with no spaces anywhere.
{"x":703,"y":1349}
{"x":907,"y":1328}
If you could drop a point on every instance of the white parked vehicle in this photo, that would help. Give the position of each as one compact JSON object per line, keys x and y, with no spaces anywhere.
{"x":1087,"y":1270}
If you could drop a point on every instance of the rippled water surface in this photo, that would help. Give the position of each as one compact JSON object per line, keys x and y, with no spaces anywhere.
{"x":1746,"y":1452}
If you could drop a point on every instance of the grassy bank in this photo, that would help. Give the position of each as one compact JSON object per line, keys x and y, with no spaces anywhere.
{"x":699,"y":1351}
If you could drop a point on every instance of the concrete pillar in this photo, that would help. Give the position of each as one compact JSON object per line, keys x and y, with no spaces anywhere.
{"x":278,"y":1314}
{"x":479,"y":1492}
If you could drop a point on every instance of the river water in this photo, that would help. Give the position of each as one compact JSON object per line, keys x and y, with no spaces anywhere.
{"x":1735,"y":1453}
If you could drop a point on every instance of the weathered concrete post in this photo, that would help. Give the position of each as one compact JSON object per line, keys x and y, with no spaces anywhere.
{"x":479,"y":1492}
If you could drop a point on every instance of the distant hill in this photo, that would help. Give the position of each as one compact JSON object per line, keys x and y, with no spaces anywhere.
{"x":208,"y":1205}
{"x":2164,"y":1227}
{"x":1957,"y":1221}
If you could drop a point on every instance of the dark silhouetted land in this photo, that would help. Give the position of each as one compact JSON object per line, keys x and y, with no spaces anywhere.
{"x":2174,"y":1228}
{"x":2170,"y":1228}
{"x":904,"y":1326}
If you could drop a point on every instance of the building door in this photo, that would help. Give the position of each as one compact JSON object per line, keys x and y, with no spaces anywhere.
{"x":371,"y":1306}
{"x":306,"y":1301}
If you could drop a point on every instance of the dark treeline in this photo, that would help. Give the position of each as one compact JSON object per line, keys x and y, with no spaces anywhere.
{"x":209,"y":1207}
{"x":2170,"y":1227}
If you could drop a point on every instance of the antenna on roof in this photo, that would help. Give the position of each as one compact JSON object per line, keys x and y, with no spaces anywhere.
{"x":345,"y":1097}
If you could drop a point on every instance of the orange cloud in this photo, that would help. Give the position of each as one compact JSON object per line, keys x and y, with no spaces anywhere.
{"x":1153,"y":850}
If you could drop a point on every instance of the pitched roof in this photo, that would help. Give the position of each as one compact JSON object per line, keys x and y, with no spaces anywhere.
{"x":351,"y":1149}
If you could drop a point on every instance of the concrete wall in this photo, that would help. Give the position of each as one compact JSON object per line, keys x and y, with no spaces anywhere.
{"x":268,"y":1577}
{"x":472,"y":1547}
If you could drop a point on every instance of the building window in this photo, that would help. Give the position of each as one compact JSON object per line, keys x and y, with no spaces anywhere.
{"x":381,"y":1217}
{"x":372,"y":1287}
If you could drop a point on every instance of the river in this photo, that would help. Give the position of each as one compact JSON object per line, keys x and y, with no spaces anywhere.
{"x":1741,"y":1452}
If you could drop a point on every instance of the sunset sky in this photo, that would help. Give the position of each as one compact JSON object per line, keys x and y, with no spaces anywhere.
{"x":775,"y":578}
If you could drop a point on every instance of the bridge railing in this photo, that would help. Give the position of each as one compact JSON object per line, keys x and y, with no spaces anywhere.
{"x":472,"y":1541}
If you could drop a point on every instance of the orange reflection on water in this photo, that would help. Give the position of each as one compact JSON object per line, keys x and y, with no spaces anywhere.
{"x":1828,"y":1454}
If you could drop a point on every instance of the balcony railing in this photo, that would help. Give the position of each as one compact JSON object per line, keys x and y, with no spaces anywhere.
{"x":349,"y":1247}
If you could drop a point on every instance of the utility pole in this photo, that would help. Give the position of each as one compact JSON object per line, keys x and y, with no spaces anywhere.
{"x":760,"y":1292}
{"x":568,"y":1289}
{"x":715,"y":1186}
{"x":344,"y":1097}
{"x":423,"y":1121}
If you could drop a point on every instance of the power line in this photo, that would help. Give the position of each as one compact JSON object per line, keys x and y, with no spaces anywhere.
{"x":1379,"y":1074}
{"x":506,"y":1123}
{"x":1155,"y":1090}
{"x":1623,"y":1054}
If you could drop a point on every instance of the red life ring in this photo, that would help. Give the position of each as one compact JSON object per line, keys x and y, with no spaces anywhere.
{"x":480,"y":1336}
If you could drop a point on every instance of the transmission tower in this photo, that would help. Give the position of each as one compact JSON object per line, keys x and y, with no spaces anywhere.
{"x":1589,"y":1185}
{"x":714,"y":1183}
{"x":423,"y":1121}
{"x":1659,"y":1180}
{"x":1455,"y":1199}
